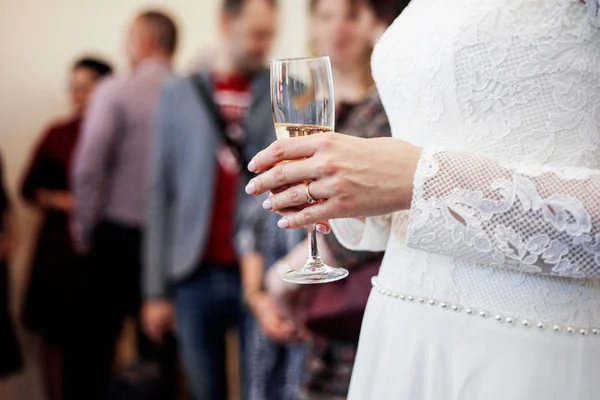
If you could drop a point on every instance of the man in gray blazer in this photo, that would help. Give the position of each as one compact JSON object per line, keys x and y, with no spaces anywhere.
{"x":209,"y":126}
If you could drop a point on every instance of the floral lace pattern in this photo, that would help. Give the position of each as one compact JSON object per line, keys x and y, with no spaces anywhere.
{"x":507,"y":216}
{"x":509,"y":224}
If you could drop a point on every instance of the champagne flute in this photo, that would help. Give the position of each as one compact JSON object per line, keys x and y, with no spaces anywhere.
{"x":303,"y":104}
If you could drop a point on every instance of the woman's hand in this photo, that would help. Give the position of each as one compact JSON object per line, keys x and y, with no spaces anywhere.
{"x":271,"y":318}
{"x":58,"y":200}
{"x":158,"y":318}
{"x":349,"y":176}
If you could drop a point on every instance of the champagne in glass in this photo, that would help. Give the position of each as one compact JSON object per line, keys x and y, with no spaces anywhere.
{"x":303,"y":105}
{"x":285,"y":131}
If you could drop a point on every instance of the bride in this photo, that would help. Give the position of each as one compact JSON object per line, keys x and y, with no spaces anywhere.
{"x":487,"y":202}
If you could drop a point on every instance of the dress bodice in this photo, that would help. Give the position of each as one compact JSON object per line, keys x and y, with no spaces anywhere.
{"x":504,"y":96}
{"x":516,"y":79}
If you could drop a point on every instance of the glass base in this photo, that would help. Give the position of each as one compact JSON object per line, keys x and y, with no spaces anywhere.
{"x":314,"y":272}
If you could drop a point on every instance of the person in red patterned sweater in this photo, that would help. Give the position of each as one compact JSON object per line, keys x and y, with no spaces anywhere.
{"x":232,"y":95}
{"x":209,"y":125}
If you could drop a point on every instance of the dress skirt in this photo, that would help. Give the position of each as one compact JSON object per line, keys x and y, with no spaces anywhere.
{"x":414,"y":351}
{"x":52,"y":302}
{"x":10,"y":352}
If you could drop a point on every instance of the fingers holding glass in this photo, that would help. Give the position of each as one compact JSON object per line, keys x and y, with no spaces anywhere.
{"x":283,"y":174}
{"x":284,"y":150}
{"x":308,"y":216}
{"x":304,"y":113}
{"x":322,"y":226}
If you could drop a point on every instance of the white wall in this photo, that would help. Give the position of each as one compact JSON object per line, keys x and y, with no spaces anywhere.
{"x":38,"y":41}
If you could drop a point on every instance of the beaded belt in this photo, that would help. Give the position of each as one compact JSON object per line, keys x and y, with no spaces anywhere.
{"x":484,"y":314}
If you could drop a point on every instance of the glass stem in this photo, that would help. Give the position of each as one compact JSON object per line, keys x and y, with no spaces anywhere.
{"x":313,"y":249}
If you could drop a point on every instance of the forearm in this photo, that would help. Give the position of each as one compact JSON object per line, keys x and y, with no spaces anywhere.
{"x":158,"y":239}
{"x":88,"y":193}
{"x":154,"y":283}
{"x":252,"y":269}
{"x":82,"y":224}
{"x":159,"y":235}
{"x":54,"y":200}
{"x":91,"y":161}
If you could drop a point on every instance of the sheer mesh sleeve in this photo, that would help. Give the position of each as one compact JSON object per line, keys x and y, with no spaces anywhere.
{"x":525,"y":217}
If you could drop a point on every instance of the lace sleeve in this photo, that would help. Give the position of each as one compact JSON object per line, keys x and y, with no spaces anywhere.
{"x":370,"y":235}
{"x":532,"y":218}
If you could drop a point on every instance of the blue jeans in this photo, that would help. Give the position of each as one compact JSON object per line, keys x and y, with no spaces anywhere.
{"x":208,"y":304}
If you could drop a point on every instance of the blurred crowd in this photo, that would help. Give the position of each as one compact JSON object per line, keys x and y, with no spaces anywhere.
{"x":141,"y":189}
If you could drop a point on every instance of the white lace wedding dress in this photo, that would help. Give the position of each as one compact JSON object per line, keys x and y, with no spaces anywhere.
{"x":489,"y":289}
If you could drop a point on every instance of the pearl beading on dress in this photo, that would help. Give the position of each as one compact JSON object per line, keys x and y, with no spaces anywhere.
{"x":510,"y":320}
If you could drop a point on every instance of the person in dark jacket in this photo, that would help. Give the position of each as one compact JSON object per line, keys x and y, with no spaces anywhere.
{"x":55,"y":273}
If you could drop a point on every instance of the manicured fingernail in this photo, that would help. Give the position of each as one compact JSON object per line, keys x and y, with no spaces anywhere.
{"x":283,"y":223}
{"x":322,"y":229}
{"x":252,"y":166}
{"x":267,"y":204}
{"x":250,"y":188}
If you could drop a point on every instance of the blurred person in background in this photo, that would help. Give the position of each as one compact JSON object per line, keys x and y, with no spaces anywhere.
{"x":384,"y":13}
{"x":209,"y":125}
{"x":10,"y":352}
{"x":345,"y":30}
{"x":461,"y":212}
{"x":276,"y":349}
{"x":56,"y":271}
{"x":110,"y":177}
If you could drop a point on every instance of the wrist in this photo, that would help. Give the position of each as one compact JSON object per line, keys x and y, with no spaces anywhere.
{"x":157,"y":300}
{"x":251,"y":295}
{"x":254,"y":301}
{"x":412,"y":164}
